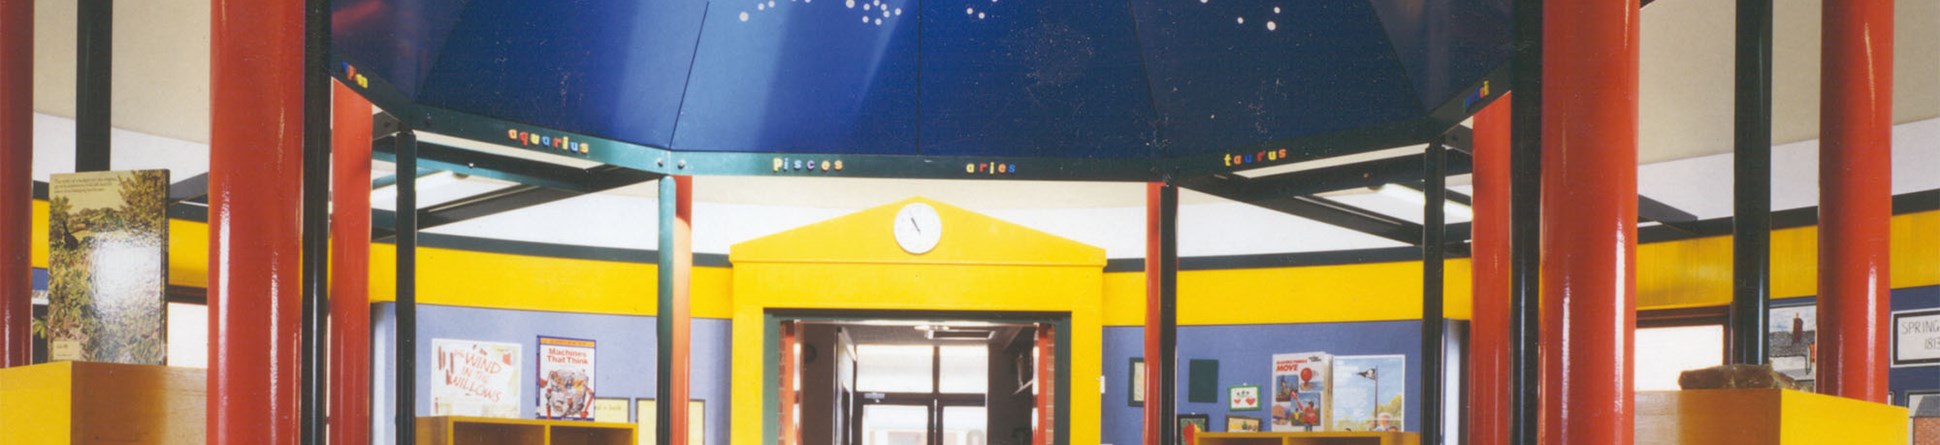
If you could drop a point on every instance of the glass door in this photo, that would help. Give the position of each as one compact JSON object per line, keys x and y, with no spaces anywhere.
{"x":896,"y":425}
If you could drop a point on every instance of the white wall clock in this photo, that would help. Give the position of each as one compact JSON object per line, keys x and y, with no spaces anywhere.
{"x":918,"y":228}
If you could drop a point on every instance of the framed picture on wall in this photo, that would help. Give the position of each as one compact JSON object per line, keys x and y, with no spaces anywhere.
{"x":1135,"y":394}
{"x":650,"y":409}
{"x":1242,"y":424}
{"x":1916,"y":399}
{"x":1916,"y":338}
{"x":1792,"y":334}
{"x":1199,"y":423}
{"x":1243,"y":398}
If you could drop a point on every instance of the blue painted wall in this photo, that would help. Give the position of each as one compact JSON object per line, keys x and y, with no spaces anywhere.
{"x":625,"y":355}
{"x":1245,"y":355}
{"x":627,"y":351}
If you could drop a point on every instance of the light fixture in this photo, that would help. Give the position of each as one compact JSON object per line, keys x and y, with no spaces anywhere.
{"x":1451,"y":209}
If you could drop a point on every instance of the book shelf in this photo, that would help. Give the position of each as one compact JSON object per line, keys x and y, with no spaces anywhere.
{"x":456,"y":430}
{"x":1314,"y":438}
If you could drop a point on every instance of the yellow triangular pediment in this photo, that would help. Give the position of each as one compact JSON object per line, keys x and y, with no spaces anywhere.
{"x":868,"y":236}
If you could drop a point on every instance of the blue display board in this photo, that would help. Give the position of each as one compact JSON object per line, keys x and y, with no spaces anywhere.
{"x":1143,"y":79}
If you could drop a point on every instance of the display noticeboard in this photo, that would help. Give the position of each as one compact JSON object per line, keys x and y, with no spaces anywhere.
{"x":1793,"y":336}
{"x":565,"y":379}
{"x":1301,"y":389}
{"x":108,"y":267}
{"x":473,"y":378}
{"x":1916,"y":338}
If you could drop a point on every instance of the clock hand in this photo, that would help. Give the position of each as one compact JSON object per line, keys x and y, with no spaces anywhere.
{"x":914,"y":225}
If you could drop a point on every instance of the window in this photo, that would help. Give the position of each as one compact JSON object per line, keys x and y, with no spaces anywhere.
{"x":894,"y":368}
{"x":1665,"y":352}
{"x":966,"y":369}
{"x":188,"y":335}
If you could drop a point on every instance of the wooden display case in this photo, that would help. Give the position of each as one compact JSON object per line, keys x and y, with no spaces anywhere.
{"x":455,"y":430}
{"x":102,"y":403}
{"x":1314,"y":438}
{"x":1764,"y":417}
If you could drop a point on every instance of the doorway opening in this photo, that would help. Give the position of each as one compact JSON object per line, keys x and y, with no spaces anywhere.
{"x":932,"y":382}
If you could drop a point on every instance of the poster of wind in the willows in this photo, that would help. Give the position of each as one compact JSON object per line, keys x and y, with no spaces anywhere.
{"x":108,"y":267}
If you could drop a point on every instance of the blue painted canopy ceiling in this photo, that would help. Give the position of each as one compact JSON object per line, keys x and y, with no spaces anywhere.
{"x":1049,"y":79}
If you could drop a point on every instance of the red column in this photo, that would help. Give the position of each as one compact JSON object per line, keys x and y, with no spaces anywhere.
{"x":682,"y":317}
{"x":1047,"y":389}
{"x":1154,"y":416}
{"x":791,"y":369}
{"x":255,"y":196}
{"x":350,"y":232}
{"x":16,"y":181}
{"x":1489,"y":354}
{"x":1589,"y":242}
{"x":1161,"y":318}
{"x":1855,"y":196}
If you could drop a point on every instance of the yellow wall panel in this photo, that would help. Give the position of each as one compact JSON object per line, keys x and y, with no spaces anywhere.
{"x":1323,"y":294}
{"x":1675,"y":274}
{"x":495,"y":280}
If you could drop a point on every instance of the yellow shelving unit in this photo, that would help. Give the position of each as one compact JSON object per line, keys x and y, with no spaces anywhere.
{"x":102,"y":403}
{"x":1764,"y":417}
{"x":1314,"y":438}
{"x":457,"y":430}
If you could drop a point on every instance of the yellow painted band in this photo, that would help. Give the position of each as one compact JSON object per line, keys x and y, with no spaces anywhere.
{"x":1673,"y":274}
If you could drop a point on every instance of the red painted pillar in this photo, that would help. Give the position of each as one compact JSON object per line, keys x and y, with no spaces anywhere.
{"x":1047,"y":385}
{"x":1161,"y":315}
{"x":1154,"y":417}
{"x":1589,"y":134}
{"x":1489,"y":353}
{"x":350,"y":232}
{"x":1855,"y":197}
{"x":682,"y":317}
{"x":255,"y":197}
{"x":16,"y":181}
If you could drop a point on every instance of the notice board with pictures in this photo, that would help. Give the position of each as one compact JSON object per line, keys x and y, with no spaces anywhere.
{"x":108,"y":267}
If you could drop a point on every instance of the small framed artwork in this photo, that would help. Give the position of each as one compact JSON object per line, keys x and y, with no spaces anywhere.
{"x":1136,"y":393}
{"x":1242,"y":424}
{"x":1915,"y":401}
{"x":1198,"y":422}
{"x":1243,"y":398}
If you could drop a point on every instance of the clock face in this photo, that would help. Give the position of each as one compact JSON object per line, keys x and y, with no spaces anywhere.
{"x":917,"y":228}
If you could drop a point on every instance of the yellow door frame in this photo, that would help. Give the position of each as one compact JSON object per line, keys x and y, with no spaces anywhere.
{"x":980,"y":265}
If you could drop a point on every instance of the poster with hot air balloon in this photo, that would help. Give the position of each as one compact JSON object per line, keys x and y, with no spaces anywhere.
{"x":1302,"y":389}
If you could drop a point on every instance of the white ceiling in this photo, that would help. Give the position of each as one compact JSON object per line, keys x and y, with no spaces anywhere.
{"x":1687,"y":71}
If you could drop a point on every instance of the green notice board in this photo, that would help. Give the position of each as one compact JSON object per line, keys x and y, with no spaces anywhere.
{"x":1202,"y":384}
